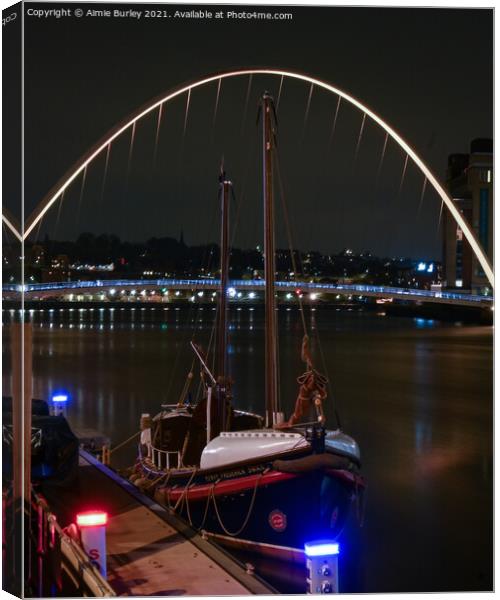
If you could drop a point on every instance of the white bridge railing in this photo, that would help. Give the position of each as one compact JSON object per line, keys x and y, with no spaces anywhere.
{"x":164,"y":459}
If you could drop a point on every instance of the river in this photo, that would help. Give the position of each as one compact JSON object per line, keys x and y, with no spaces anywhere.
{"x":417,"y":395}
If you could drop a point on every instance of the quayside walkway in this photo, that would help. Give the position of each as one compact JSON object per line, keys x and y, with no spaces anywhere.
{"x":150,"y":552}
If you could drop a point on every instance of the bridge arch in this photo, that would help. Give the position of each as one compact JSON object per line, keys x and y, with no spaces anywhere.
{"x":65,"y":181}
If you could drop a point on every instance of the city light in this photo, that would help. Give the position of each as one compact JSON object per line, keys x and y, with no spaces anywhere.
{"x":421,"y":266}
{"x":231,"y":292}
{"x":200,"y":294}
{"x":313,"y":296}
{"x":251,"y":295}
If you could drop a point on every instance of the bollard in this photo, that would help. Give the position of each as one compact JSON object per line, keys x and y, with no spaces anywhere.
{"x":92,"y":526}
{"x":322,"y":564}
{"x":106,"y":455}
{"x":58,"y":404}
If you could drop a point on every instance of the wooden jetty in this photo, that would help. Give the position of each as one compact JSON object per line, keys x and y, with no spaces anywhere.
{"x":150,"y":551}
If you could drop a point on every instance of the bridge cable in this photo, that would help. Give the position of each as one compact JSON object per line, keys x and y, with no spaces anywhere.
{"x":106,"y":165}
{"x":381,"y":161}
{"x":245,"y":110}
{"x":80,"y":197}
{"x":360,"y":136}
{"x":157,"y":135}
{"x":214,"y":117}
{"x":324,"y":172}
{"x":334,"y":125}
{"x":306,"y":114}
{"x":279,"y":92}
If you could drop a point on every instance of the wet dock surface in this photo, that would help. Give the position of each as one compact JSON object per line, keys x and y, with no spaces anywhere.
{"x":150,"y":552}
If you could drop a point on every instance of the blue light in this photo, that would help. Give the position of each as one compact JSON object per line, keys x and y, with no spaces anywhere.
{"x":321,"y":549}
{"x":430,"y":268}
{"x":60,"y":398}
{"x":421,"y":266}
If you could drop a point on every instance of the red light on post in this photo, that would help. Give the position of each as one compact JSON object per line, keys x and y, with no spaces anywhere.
{"x":92,"y":519}
{"x":92,"y":526}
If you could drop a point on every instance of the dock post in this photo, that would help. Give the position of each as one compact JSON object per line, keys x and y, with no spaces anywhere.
{"x":322,"y":564}
{"x":92,"y":526}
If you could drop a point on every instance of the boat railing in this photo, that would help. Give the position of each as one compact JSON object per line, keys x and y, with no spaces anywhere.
{"x":164,"y":459}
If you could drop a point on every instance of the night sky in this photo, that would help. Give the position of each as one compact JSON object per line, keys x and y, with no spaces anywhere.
{"x":428,"y":72}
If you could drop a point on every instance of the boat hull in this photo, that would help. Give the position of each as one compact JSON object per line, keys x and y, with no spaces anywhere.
{"x":272,"y":507}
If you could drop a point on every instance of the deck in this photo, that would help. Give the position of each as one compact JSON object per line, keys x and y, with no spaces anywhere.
{"x":149,"y":550}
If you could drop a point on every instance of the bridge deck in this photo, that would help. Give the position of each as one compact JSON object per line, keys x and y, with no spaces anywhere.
{"x":45,"y":290}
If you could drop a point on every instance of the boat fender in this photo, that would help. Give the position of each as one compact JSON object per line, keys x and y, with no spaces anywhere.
{"x":313,"y":462}
{"x":141,"y":482}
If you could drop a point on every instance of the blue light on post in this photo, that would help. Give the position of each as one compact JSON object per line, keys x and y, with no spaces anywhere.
{"x":323,"y":567}
{"x":60,"y":398}
{"x":321,"y":549}
{"x":58,"y":403}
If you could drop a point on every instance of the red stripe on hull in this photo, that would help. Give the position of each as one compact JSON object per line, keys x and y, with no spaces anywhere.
{"x":243,"y":484}
{"x":232,"y":486}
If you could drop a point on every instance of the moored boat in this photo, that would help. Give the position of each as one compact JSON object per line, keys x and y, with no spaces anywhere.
{"x":260,"y":480}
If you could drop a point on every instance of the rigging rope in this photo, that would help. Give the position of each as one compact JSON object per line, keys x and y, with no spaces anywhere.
{"x":301,"y":306}
{"x":289,"y":235}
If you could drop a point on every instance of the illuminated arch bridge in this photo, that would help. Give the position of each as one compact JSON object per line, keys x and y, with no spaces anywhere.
{"x":129,"y":124}
{"x":112,"y":287}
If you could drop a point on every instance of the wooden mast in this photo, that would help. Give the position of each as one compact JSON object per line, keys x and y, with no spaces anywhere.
{"x":269,"y":262}
{"x":224,"y":186}
{"x":221,"y":420}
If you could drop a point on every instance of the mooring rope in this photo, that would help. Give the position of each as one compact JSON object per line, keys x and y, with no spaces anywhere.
{"x":205,"y":512}
{"x":185,"y":490}
{"x":111,"y":450}
{"x":247,"y":518}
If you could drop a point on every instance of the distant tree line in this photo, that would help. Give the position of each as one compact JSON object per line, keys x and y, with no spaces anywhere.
{"x":167,"y":256}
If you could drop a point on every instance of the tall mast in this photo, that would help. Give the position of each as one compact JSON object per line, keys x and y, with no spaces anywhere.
{"x":269,"y":261}
{"x":224,"y":189}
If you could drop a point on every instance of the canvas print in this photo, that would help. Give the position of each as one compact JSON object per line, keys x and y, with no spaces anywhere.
{"x":247,"y":299}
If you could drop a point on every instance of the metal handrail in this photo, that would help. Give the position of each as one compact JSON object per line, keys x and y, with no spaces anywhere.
{"x":72,"y":556}
{"x":161,"y":458}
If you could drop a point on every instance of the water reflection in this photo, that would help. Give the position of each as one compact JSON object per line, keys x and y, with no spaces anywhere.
{"x":417,"y":396}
